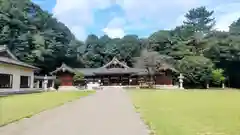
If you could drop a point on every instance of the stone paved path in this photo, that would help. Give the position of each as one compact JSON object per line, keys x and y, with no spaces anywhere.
{"x":108,"y":112}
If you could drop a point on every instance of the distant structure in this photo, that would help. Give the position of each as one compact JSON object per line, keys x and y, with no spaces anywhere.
{"x":14,"y":74}
{"x":114,"y":73}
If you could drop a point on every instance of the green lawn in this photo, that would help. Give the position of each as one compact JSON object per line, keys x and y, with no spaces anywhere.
{"x":13,"y":108}
{"x":190,"y":112}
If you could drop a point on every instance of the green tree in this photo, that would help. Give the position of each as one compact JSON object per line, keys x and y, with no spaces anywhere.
{"x":196,"y":69}
{"x":129,"y":48}
{"x":224,"y":52}
{"x":200,"y":19}
{"x":33,"y":35}
{"x":93,"y":55}
{"x":161,"y":42}
{"x":78,"y":77}
{"x":152,"y":61}
{"x":218,"y":76}
{"x":36,"y":37}
{"x":234,"y":28}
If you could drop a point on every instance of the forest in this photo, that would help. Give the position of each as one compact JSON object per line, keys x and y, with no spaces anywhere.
{"x":196,"y":48}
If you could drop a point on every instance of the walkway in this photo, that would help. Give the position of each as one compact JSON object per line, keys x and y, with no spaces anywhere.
{"x":108,"y":112}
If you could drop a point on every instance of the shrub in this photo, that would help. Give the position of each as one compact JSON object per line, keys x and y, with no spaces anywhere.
{"x":57,"y":83}
{"x":78,"y":77}
{"x":218,"y":76}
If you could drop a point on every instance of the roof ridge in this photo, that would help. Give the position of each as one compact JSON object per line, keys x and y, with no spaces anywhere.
{"x":115,"y":60}
{"x":15,"y":62}
{"x":2,"y":47}
{"x":64,"y":67}
{"x":5,"y":48}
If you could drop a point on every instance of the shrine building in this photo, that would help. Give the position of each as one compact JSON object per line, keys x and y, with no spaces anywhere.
{"x":114,"y":73}
{"x":14,"y":74}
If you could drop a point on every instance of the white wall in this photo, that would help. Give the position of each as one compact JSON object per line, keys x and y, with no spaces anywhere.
{"x":16,"y":71}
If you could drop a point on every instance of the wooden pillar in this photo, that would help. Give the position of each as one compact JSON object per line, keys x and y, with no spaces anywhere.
{"x":137,"y":80}
{"x":53,"y":83}
{"x":120,"y":79}
{"x":129,"y":80}
{"x":38,"y":83}
{"x":42,"y":84}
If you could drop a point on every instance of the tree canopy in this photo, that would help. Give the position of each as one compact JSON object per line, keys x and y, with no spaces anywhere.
{"x":195,"y":47}
{"x":200,"y":19}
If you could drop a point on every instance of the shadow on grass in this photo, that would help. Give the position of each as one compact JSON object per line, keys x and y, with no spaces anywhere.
{"x":29,"y":113}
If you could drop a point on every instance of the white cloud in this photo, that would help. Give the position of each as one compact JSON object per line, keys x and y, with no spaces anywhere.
{"x":137,"y":10}
{"x":226,"y":20}
{"x":178,"y":22}
{"x":114,"y":32}
{"x":116,"y":22}
{"x":78,"y":14}
{"x":79,"y":32}
{"x":155,"y":14}
{"x":115,"y":28}
{"x":226,"y":14}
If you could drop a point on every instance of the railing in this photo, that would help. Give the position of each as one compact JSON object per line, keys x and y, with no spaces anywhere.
{"x":43,"y":82}
{"x":45,"y":77}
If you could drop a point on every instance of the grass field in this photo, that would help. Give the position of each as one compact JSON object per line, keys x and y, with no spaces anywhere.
{"x":190,"y":112}
{"x":13,"y":108}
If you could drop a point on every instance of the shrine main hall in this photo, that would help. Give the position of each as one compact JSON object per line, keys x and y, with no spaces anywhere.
{"x":114,"y":73}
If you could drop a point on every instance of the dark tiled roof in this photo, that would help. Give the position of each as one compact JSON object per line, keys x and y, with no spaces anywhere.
{"x":15,"y":62}
{"x":100,"y":71}
{"x":107,"y":71}
{"x":12,"y":59}
{"x":3,"y":48}
{"x":114,"y":62}
{"x":64,"y":68}
{"x":87,"y":71}
{"x":141,"y":72}
{"x":115,"y":71}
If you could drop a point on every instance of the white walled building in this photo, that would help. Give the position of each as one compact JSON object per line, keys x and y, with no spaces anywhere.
{"x":14,"y":74}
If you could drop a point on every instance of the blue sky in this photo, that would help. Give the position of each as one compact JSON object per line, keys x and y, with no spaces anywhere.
{"x":117,"y":18}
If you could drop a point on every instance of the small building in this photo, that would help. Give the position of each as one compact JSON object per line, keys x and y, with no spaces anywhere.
{"x":114,"y":73}
{"x":14,"y":74}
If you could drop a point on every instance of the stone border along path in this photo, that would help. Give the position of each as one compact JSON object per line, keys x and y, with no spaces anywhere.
{"x":108,"y":112}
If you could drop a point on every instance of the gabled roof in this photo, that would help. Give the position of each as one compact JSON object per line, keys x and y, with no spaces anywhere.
{"x":14,"y":62}
{"x":115,"y":61}
{"x":115,"y":71}
{"x":11,"y":59}
{"x":100,"y":71}
{"x":107,"y":71}
{"x":64,"y":68}
{"x":87,"y":71}
{"x":4,"y":48}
